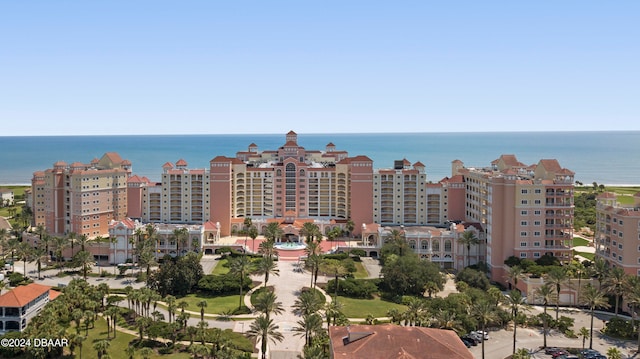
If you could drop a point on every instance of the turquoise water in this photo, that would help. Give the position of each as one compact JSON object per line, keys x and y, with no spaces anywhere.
{"x":603,"y":157}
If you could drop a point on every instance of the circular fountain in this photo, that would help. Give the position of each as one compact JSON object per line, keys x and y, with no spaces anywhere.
{"x":290,"y":246}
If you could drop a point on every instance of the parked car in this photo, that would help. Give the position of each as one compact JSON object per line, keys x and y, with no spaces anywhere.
{"x":467,"y":342}
{"x":474,"y":340}
{"x":551,"y":350}
{"x":482,"y":334}
{"x":559,"y":353}
{"x":567,"y":356}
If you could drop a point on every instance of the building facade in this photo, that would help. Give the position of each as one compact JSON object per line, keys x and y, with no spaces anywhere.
{"x":290,"y":182}
{"x":617,"y":236}
{"x":19,"y":305}
{"x":527,"y":211}
{"x":81,"y":198}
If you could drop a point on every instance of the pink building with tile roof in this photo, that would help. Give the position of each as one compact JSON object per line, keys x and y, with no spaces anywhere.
{"x":617,"y":235}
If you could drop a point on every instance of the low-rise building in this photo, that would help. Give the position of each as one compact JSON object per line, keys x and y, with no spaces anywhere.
{"x":19,"y":305}
{"x":394,"y":341}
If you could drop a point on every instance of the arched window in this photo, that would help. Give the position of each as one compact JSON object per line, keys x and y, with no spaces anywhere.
{"x":424,"y":245}
{"x":447,"y":245}
{"x":436,"y":245}
{"x":412,"y":244}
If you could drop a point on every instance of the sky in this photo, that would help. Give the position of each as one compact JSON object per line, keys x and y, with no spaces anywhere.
{"x":330,"y":66}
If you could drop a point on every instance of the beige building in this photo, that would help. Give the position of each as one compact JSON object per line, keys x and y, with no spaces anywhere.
{"x":527,"y":210}
{"x":617,"y":236}
{"x":81,"y":198}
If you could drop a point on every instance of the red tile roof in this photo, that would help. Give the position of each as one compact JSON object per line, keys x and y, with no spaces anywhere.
{"x":22,"y":295}
{"x":393,"y":341}
{"x":181,"y":162}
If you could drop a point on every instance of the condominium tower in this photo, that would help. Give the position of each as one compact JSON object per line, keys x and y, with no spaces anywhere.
{"x":617,"y":236}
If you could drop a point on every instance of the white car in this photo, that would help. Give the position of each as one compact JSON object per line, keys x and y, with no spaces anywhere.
{"x":481,"y":334}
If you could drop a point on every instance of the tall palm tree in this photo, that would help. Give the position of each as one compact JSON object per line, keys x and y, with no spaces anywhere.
{"x":307,"y":303}
{"x":273,"y":231}
{"x":632,"y":297}
{"x":517,"y":304}
{"x":577,"y":270}
{"x":86,"y":260}
{"x":557,"y":277}
{"x":181,"y":236}
{"x":267,"y":266}
{"x":24,"y":253}
{"x":309,"y":326}
{"x":266,"y":303}
{"x":61,"y":243}
{"x":335,"y":268}
{"x":247,"y":224}
{"x":310,"y":231}
{"x":333,"y":310}
{"x":593,"y":298}
{"x":514,"y":274}
{"x":484,"y":311}
{"x":415,"y":307}
{"x":240,"y":266}
{"x":202,"y":304}
{"x":468,"y":238}
{"x":101,"y":347}
{"x":263,"y":330}
{"x":267,"y":248}
{"x":253,"y":234}
{"x":616,"y":283}
{"x":171,"y":306}
{"x":584,"y":333}
{"x":600,"y":270}
{"x":546,"y":293}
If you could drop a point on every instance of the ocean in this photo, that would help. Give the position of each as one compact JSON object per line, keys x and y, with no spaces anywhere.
{"x":602,"y":157}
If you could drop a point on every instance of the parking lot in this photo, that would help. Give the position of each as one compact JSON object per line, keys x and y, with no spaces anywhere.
{"x":500,"y":343}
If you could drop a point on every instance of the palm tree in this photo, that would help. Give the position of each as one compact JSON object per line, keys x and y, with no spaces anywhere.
{"x":101,"y":347}
{"x":262,"y":330}
{"x":546,"y":293}
{"x":307,"y":303}
{"x":23,"y":252}
{"x":266,"y":303}
{"x":61,"y":243}
{"x":415,"y":307}
{"x":514,"y":274}
{"x":335,"y":268}
{"x":39,"y":253}
{"x":632,"y":297}
{"x":614,"y":353}
{"x":584,"y":333}
{"x":240,"y":266}
{"x":267,"y":266}
{"x":616,"y":283}
{"x":577,"y":270}
{"x":181,"y":236}
{"x":312,"y":250}
{"x":146,"y":352}
{"x":86,"y":260}
{"x":593,"y":298}
{"x":247,"y":224}
{"x":202,"y":304}
{"x":517,"y":304}
{"x":171,"y":306}
{"x":467,"y":239}
{"x":253,"y":234}
{"x":556,"y":278}
{"x":273,"y":231}
{"x":431,"y":287}
{"x":484,"y":312}
{"x":309,"y":326}
{"x":267,"y":248}
{"x":333,"y":310}
{"x":600,"y":270}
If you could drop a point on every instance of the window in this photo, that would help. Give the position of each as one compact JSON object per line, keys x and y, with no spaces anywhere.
{"x":620,"y":234}
{"x":537,"y":191}
{"x":537,"y":213}
{"x":537,"y":244}
{"x":523,"y":255}
{"x":537,"y":201}
{"x":524,"y":191}
{"x":524,"y":213}
{"x":523,"y":244}
{"x":523,"y":223}
{"x":537,"y":223}
{"x":536,"y":254}
{"x":621,"y":222}
{"x":524,"y":201}
{"x":536,"y":234}
{"x":619,"y":245}
{"x":523,"y":234}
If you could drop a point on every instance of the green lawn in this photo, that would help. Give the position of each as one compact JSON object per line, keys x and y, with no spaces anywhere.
{"x":222,"y":267}
{"x":577,"y":241}
{"x":360,"y":308}
{"x":255,"y":294}
{"x":215,"y":305}
{"x":117,"y":347}
{"x":361,"y":271}
{"x":589,"y":256}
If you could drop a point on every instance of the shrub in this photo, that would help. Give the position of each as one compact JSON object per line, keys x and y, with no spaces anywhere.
{"x":512,"y":261}
{"x":474,"y":278}
{"x":548,"y":260}
{"x":358,"y":252}
{"x":620,"y":328}
{"x":222,"y":284}
{"x":354,"y":288}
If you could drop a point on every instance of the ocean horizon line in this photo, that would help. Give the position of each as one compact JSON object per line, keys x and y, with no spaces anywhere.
{"x":322,"y":133}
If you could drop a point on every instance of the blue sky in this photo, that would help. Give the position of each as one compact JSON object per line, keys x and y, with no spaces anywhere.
{"x":129,"y":67}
